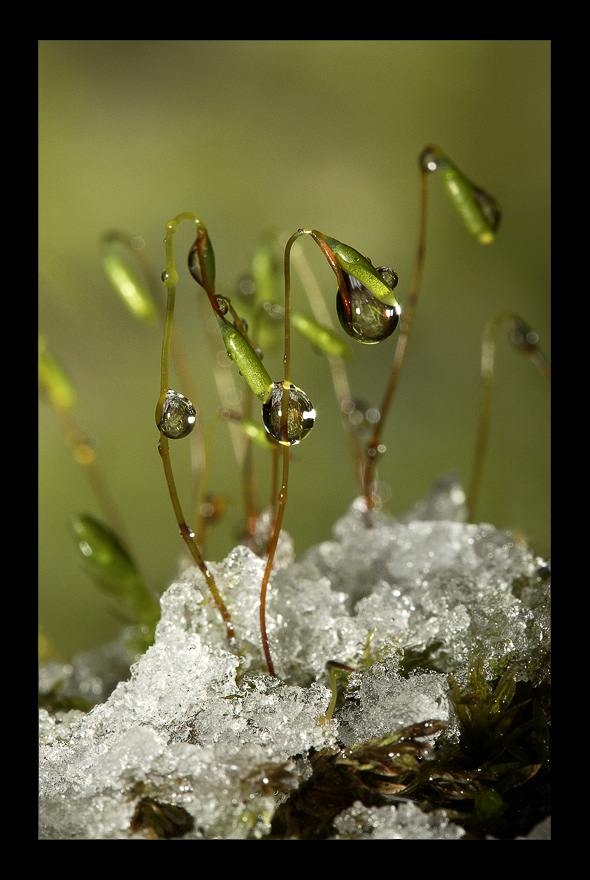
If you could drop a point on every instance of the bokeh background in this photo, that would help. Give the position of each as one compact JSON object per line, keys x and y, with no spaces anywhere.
{"x":259,"y":135}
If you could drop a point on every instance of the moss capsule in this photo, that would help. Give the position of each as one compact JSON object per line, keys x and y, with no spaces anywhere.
{"x":201,"y":259}
{"x":130,"y":288}
{"x":245,"y":358}
{"x":360,"y":268}
{"x":54,"y":379}
{"x":479,"y":210}
{"x":322,"y":338}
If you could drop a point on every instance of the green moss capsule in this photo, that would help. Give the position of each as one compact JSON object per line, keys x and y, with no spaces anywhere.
{"x":130,"y":288}
{"x":264,"y":271}
{"x":322,"y":338}
{"x":201,"y":259}
{"x":479,"y":210}
{"x":54,"y":380}
{"x":111,"y":566}
{"x":300,"y":417}
{"x":257,"y":433}
{"x":127,"y":283}
{"x":359,"y":267}
{"x":245,"y":358}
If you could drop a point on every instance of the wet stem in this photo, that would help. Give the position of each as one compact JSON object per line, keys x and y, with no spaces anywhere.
{"x":400,"y":351}
{"x":163,"y":446}
{"x":272,"y":547}
{"x":187,"y":536}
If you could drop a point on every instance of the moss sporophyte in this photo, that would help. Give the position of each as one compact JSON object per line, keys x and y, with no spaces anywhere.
{"x":367,"y":312}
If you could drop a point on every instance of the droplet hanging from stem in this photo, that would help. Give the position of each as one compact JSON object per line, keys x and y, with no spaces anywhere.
{"x":364,"y":317}
{"x":180,"y":423}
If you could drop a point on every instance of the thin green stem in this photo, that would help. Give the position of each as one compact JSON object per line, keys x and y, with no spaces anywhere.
{"x":187,"y":536}
{"x":282,"y":498}
{"x":287,"y":310}
{"x":151,"y":305}
{"x":62,"y":397}
{"x":85,"y":455}
{"x":337,"y":367}
{"x":486,"y":384}
{"x":400,"y":351}
{"x":272,"y":548}
{"x":170,"y":279}
{"x":334,"y":698}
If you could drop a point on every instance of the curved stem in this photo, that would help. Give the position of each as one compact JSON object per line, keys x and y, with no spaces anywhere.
{"x":272,"y":548}
{"x":188,"y":537}
{"x":123,"y":240}
{"x":488,"y":350}
{"x":400,"y":351}
{"x":283,"y":428}
{"x":282,"y":498}
{"x":84,"y":454}
{"x":170,"y":279}
{"x":337,"y":367}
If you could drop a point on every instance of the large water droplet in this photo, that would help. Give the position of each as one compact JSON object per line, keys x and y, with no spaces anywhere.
{"x":300,"y":416}
{"x":178,"y":416}
{"x":369,"y":320}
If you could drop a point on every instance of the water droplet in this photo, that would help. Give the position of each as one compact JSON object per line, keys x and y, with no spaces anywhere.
{"x":178,"y":416}
{"x":368,"y":320}
{"x":429,"y":159}
{"x":170,"y":277}
{"x":300,"y":417}
{"x":523,"y":336}
{"x":488,"y":206}
{"x":388,"y":276}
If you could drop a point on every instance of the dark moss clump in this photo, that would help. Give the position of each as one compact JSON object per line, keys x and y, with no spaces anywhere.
{"x":494,"y":778}
{"x":159,"y":820}
{"x":373,"y":772}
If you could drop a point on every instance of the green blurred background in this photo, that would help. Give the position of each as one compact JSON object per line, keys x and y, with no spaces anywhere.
{"x":258,"y":135}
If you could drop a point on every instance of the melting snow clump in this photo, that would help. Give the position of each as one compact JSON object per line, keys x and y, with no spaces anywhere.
{"x":201,"y":743}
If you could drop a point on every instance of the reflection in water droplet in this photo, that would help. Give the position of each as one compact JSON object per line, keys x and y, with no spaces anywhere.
{"x":370,"y":320}
{"x":300,"y":418}
{"x":178,"y":416}
{"x":170,"y":277}
{"x":429,"y":159}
